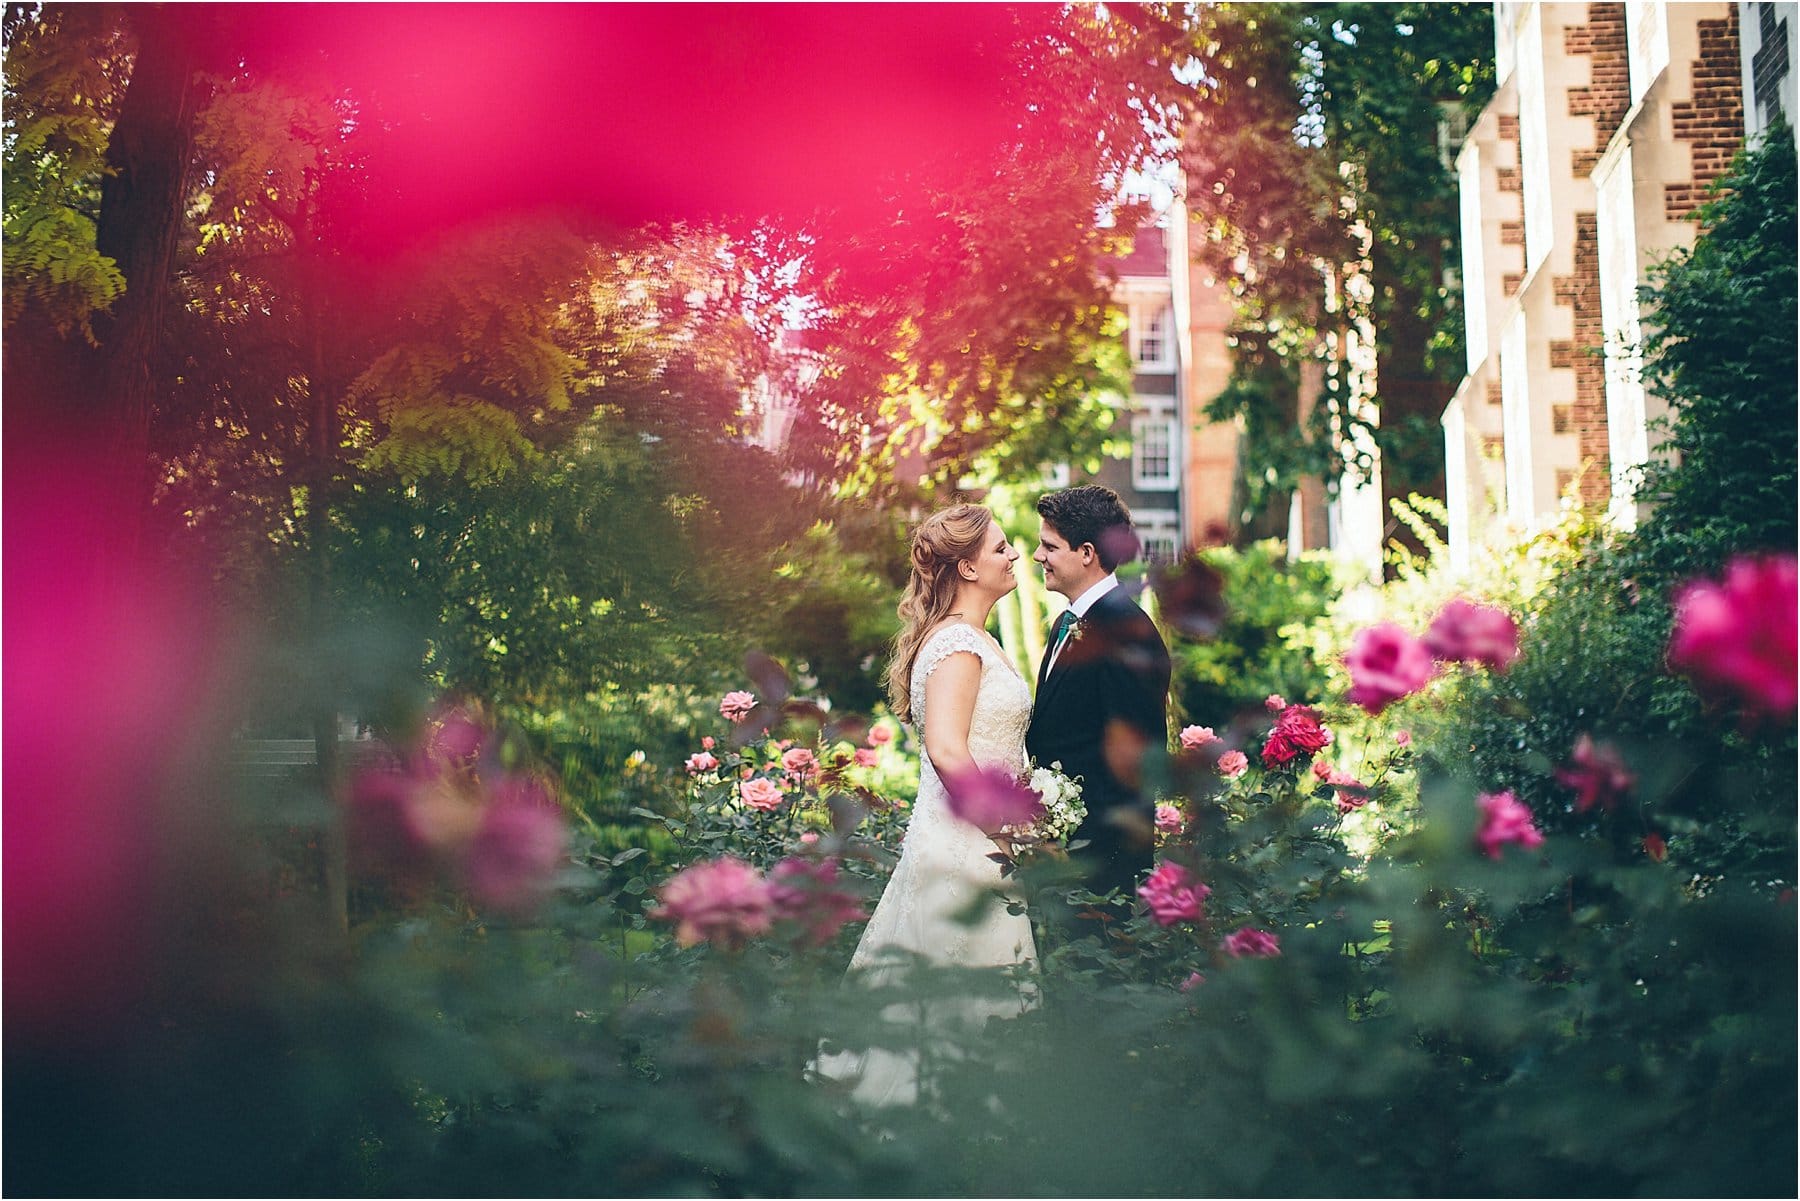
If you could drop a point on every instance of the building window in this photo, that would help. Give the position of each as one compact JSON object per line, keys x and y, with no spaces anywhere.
{"x":1153,"y":451}
{"x":1158,"y":532}
{"x":1151,"y":345}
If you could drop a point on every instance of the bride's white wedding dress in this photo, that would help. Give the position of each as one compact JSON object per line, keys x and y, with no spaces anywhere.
{"x":943,"y":872}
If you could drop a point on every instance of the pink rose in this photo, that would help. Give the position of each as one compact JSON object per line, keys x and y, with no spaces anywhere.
{"x":1352,"y":794}
{"x":1736,"y":638}
{"x":1403,"y":738}
{"x":1322,"y":769}
{"x":1297,"y":731}
{"x":1169,"y":819}
{"x":1194,"y":980}
{"x":1597,"y":774}
{"x":1233,"y":764}
{"x":808,"y":837}
{"x":736,"y":706}
{"x":1250,"y":943}
{"x":761,"y":793}
{"x":992,"y":798}
{"x":1173,"y":895}
{"x":801,"y":762}
{"x":1274,"y":702}
{"x":1195,"y":737}
{"x":700,"y":761}
{"x":1505,"y":819}
{"x":1467,"y":632}
{"x":806,"y":891}
{"x":707,"y":743}
{"x":723,"y":901}
{"x":518,"y":848}
{"x":879,"y":735}
{"x":1386,"y":663}
{"x":865,"y":756}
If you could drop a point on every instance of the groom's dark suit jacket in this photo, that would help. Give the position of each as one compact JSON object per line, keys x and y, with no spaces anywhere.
{"x":1114,"y":673}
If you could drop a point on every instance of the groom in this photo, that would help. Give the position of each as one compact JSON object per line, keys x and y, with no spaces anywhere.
{"x":1103,"y":687}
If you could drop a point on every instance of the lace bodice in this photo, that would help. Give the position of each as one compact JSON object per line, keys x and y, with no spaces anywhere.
{"x":1002,"y":705}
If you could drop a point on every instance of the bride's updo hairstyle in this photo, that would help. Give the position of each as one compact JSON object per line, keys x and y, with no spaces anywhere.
{"x":939,"y":543}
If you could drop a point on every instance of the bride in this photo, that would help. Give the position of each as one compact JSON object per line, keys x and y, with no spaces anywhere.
{"x":956,"y":687}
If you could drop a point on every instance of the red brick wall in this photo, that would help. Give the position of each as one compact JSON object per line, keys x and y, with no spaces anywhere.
{"x":1580,"y":293}
{"x":1712,"y":124}
{"x":1608,"y":93}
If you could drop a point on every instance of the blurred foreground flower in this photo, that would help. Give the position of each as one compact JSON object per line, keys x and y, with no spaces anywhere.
{"x":1250,"y":943}
{"x":1505,"y":819}
{"x":723,"y":901}
{"x":518,"y":849}
{"x":992,"y":798}
{"x":1597,"y":774}
{"x":1736,"y":637}
{"x":1465,"y":631}
{"x":1173,"y":895}
{"x":1386,"y":663}
{"x":806,"y":891}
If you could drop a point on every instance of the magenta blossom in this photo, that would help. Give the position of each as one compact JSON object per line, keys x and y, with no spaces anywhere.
{"x":1173,"y":895}
{"x":521,"y":843}
{"x":806,"y":891}
{"x":722,"y":900}
{"x":1195,"y":737}
{"x":1386,"y":663}
{"x":1736,"y":638}
{"x":1468,"y":632}
{"x":1352,"y":793}
{"x":992,"y":798}
{"x":1250,"y":943}
{"x":1322,"y":769}
{"x":1597,"y":774}
{"x":1403,"y":738}
{"x":1233,"y":764}
{"x":1505,"y":819}
{"x":737,"y":706}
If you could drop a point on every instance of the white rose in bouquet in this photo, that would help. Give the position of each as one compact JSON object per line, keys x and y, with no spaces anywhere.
{"x":1063,"y":808}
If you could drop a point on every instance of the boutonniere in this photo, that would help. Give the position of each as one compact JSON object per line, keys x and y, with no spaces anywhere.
{"x":1075,"y":632}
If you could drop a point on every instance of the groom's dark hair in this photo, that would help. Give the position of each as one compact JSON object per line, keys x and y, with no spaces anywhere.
{"x":1092,"y":513}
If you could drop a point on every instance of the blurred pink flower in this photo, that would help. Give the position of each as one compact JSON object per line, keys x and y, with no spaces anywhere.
{"x":736,"y":706}
{"x":1169,"y":819}
{"x":1250,"y":943}
{"x":1656,"y":847}
{"x":879,"y":734}
{"x":1597,"y":774}
{"x":1386,"y":663}
{"x":721,"y":900}
{"x":808,"y":837}
{"x":701,"y":761}
{"x":517,"y":850}
{"x":1173,"y":895}
{"x":456,"y":737}
{"x":1736,"y":637}
{"x":806,"y":891}
{"x":1233,"y":764}
{"x":992,"y":798}
{"x":1322,"y":769}
{"x":707,"y":743}
{"x":1505,"y":819}
{"x":801,"y":762}
{"x":761,"y":793}
{"x":1195,"y":737}
{"x":1275,"y":702}
{"x":1403,"y":738}
{"x":1352,"y":794}
{"x":1297,"y":731}
{"x":866,"y":756}
{"x":1468,"y":632}
{"x":1194,"y":980}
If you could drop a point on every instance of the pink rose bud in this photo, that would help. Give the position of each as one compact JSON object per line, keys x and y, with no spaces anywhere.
{"x":1233,"y":764}
{"x":1275,"y":702}
{"x":761,"y":794}
{"x":1249,"y":943}
{"x":701,"y":761}
{"x":808,"y":837}
{"x":1173,"y":895}
{"x":880,"y":734}
{"x":1322,"y":769}
{"x":737,"y":706}
{"x":991,"y":798}
{"x":1505,"y":819}
{"x":1386,"y":663}
{"x":707,"y":743}
{"x":1656,"y":847}
{"x":723,"y":901}
{"x":1169,"y":819}
{"x":1403,"y":738}
{"x":1195,"y":737}
{"x":1736,"y":638}
{"x":1468,"y":632}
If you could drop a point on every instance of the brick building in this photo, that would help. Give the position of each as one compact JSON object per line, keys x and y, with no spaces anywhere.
{"x":1608,"y":123}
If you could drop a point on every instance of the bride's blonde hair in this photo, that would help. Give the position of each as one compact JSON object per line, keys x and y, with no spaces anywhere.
{"x":939,"y":543}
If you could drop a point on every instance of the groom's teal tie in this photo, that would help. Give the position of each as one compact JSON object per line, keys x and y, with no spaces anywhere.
{"x":1060,"y":630}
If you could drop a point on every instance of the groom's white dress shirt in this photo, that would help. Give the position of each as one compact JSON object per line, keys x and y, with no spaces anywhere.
{"x":1082,"y":604}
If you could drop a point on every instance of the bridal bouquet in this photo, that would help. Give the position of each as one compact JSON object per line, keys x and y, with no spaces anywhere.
{"x":1063,"y":810}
